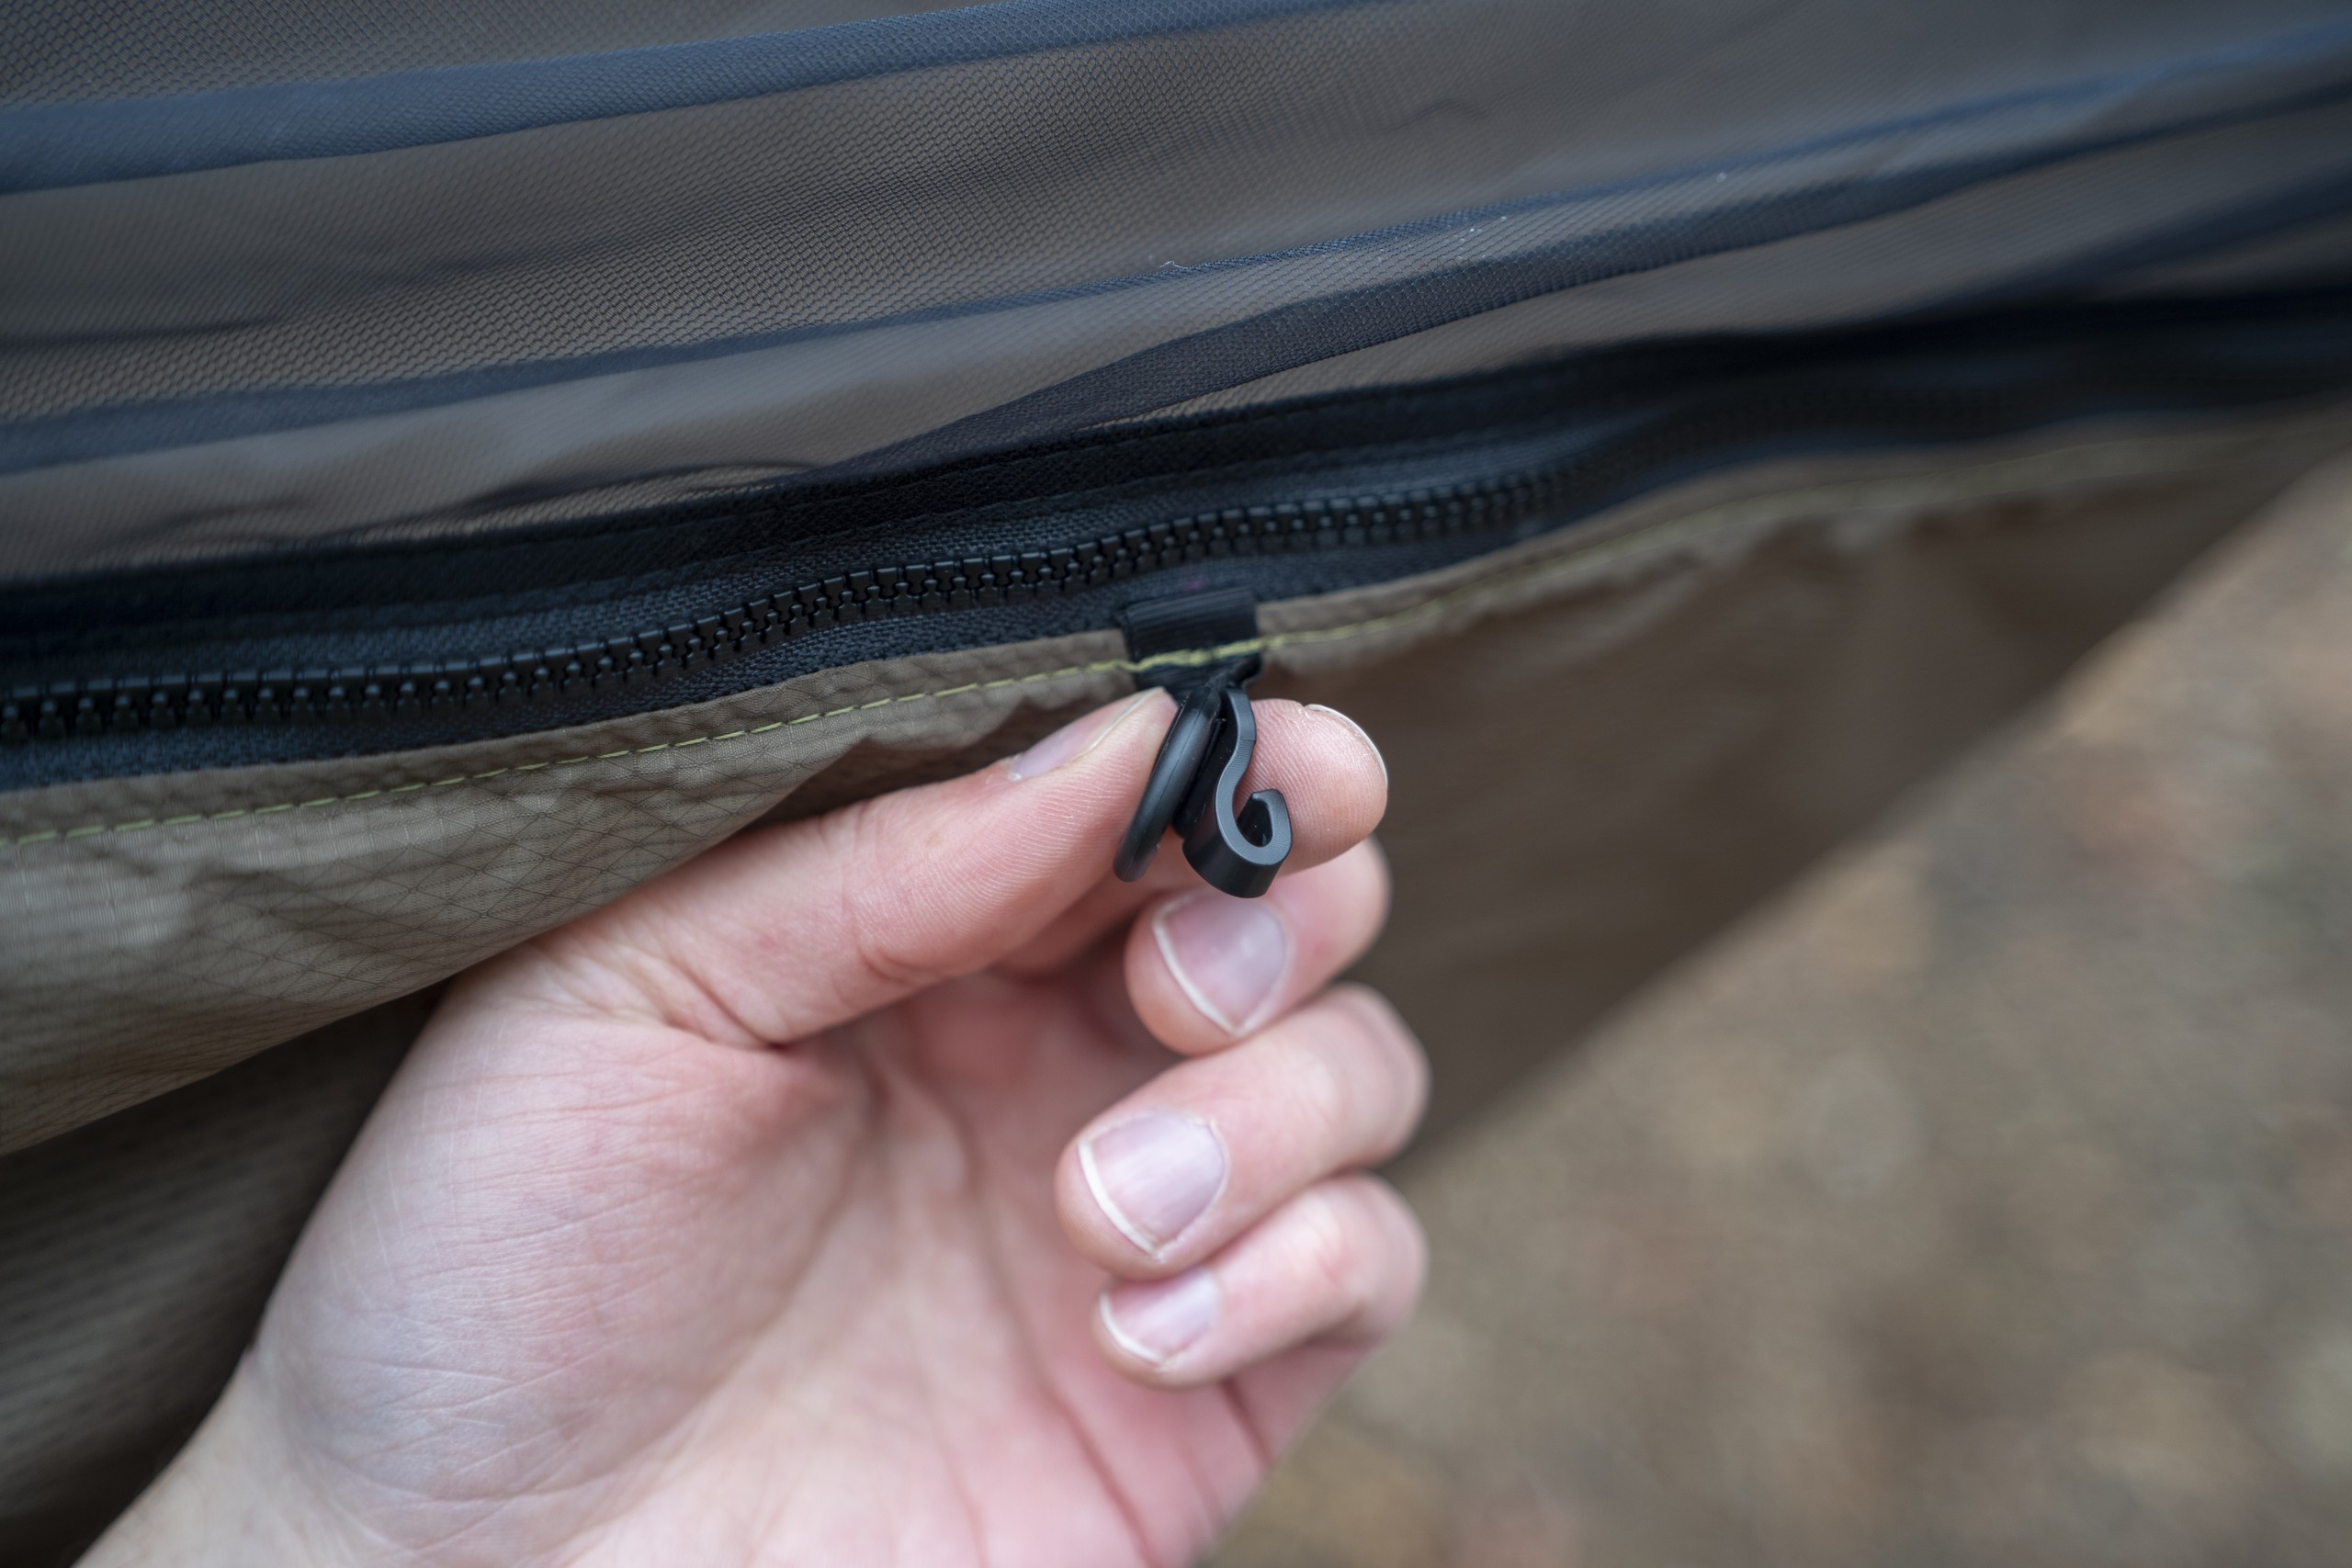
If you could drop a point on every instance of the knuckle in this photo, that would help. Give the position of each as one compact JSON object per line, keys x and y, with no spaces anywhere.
{"x":1371,"y":1007}
{"x":1323,"y":1249}
{"x":870,"y":910}
{"x":1412,"y":1242}
{"x":1393,"y":1258}
{"x":1324,"y":1099}
{"x":1381,"y":1079}
{"x":1368,"y":864}
{"x":1410,"y":1097}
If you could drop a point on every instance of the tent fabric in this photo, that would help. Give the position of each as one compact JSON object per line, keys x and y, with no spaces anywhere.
{"x":1596,"y":760}
{"x":355,"y":335}
{"x":494,"y":288}
{"x":189,"y":919}
{"x":318,"y":654}
{"x":135,"y":1256}
{"x":71,"y":50}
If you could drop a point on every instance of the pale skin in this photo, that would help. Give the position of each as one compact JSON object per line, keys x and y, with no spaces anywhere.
{"x":888,"y":1187}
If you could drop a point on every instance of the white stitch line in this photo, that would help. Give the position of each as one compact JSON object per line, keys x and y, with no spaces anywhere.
{"x":1129,"y":666}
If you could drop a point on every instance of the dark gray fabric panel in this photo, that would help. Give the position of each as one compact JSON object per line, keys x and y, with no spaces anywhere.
{"x":719,"y":422}
{"x":52,"y":146}
{"x":62,"y":50}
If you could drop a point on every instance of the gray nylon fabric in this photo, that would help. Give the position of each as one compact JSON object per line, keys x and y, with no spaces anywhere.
{"x":172,"y":925}
{"x":59,"y":51}
{"x":719,"y":420}
{"x":151,"y":954}
{"x":485,"y":329}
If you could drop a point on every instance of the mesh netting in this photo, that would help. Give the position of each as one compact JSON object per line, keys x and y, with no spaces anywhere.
{"x":282,"y":272}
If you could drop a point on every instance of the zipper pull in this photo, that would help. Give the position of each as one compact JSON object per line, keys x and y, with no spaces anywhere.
{"x":1196,"y":779}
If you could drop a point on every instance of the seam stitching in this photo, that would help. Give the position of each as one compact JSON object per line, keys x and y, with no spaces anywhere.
{"x":1197,"y":656}
{"x":1724,"y":514}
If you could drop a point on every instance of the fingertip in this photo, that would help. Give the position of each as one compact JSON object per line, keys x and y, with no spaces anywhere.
{"x":1331,"y":715}
{"x":1340,"y":1267}
{"x":1084,"y":735}
{"x":1205,"y":970}
{"x":1130,"y":1186}
{"x":1200,"y":1155}
{"x":1144,"y":1327}
{"x":1227,"y":959}
{"x":1328,"y":772}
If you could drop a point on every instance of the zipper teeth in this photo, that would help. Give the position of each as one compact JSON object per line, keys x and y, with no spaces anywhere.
{"x":102,"y":704}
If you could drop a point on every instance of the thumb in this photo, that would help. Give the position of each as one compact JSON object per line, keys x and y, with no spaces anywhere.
{"x":790,"y":930}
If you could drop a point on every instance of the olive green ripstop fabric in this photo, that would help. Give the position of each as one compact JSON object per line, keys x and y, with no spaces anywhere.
{"x":135,"y":1255}
{"x":166,"y":927}
{"x":1602,"y":744}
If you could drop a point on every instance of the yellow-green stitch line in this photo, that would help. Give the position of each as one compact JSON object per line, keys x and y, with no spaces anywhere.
{"x":1106,"y":666}
{"x":89,"y":829}
{"x":1990,"y":480}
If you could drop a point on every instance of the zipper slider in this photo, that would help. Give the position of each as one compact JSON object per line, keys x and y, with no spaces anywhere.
{"x":1197,"y":776}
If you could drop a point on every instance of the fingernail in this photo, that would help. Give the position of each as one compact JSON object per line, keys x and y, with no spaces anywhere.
{"x":1073,"y":740}
{"x":1369,"y":743}
{"x":1153,"y":1176}
{"x":1228,"y":954}
{"x":1156,"y":1321}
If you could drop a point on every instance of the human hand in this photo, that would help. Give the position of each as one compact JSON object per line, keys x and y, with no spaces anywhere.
{"x":880,"y":1188}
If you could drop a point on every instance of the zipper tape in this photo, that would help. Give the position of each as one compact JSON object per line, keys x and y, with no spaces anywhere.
{"x":1496,"y":583}
{"x":364,"y":651}
{"x":104,"y":704}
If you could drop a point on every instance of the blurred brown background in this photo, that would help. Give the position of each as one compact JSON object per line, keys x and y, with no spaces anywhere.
{"x":1987,"y":1199}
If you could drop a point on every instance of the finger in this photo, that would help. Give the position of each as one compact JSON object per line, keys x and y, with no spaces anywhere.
{"x":791,"y":930}
{"x":1313,"y":755}
{"x":1213,"y":1145}
{"x":1205,"y":970}
{"x":788,"y":930}
{"x":1338,"y":1266}
{"x":1100,"y":910}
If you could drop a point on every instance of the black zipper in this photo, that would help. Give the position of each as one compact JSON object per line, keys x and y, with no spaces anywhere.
{"x":1295,"y":499}
{"x":101,"y":705}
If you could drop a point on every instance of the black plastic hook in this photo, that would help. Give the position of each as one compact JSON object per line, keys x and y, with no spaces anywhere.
{"x":1195,"y":783}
